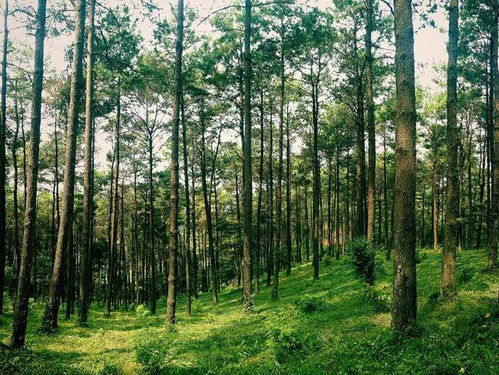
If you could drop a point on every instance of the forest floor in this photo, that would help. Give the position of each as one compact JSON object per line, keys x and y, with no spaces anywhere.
{"x":331,"y":326}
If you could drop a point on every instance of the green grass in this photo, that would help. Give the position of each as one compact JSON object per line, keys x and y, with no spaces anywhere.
{"x":330,"y":326}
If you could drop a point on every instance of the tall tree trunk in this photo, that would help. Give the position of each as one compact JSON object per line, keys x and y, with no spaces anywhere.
{"x":316,"y":221}
{"x":86,"y":249}
{"x":258,"y":239}
{"x":174,"y":180}
{"x":404,"y":259}
{"x":3,"y":160}
{"x":371,"y":131}
{"x":194,"y":251}
{"x":111,"y":235}
{"x":22,"y":297}
{"x":207,"y":205}
{"x":280,"y":227}
{"x":50,"y":316}
{"x":15,"y":141}
{"x":247,"y":173}
{"x":448,"y":275}
{"x":270,"y":203}
{"x":188,"y":257}
{"x":385,"y":198}
{"x":288,"y":198}
{"x":494,"y":215}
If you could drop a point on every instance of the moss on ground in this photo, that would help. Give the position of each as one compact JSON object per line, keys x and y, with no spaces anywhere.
{"x":331,"y":326}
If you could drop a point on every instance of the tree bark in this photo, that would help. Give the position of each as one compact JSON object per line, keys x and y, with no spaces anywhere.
{"x":52,"y":309}
{"x":174,"y":167}
{"x":247,"y":172}
{"x":371,"y":130}
{"x":86,"y":249}
{"x":3,"y":160}
{"x":404,"y":285}
{"x":494,"y":215}
{"x":22,"y":297}
{"x":448,"y":271}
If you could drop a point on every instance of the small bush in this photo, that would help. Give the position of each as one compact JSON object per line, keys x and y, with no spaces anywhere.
{"x":141,"y":311}
{"x":465,"y":273}
{"x":327,"y":260}
{"x":379,"y":302}
{"x":363,"y":252}
{"x":284,"y":336}
{"x":111,"y":369}
{"x":196,"y":306}
{"x":152,"y":353}
{"x":309,"y":304}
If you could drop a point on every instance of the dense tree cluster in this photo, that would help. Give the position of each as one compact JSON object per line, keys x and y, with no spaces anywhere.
{"x":275,"y":139}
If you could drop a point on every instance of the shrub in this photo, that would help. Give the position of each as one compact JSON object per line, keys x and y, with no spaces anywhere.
{"x":465,"y":273}
{"x":111,"y":369}
{"x":142,"y":311}
{"x":284,"y":335}
{"x":327,"y":260}
{"x":196,"y":306}
{"x":379,"y":302}
{"x":363,"y":252}
{"x":308,"y":304}
{"x":152,"y":353}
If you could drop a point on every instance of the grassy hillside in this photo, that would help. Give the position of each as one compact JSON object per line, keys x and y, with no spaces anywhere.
{"x":330,"y":326}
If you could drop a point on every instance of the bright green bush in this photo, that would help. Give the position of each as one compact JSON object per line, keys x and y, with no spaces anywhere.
{"x":141,"y":311}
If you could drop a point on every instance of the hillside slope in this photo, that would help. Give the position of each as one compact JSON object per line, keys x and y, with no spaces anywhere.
{"x":330,"y":326}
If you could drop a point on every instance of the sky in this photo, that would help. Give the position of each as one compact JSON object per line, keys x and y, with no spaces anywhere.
{"x":430,"y":43}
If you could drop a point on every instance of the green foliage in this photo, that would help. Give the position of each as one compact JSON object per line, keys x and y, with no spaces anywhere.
{"x":284,"y":336}
{"x":196,"y":306}
{"x":141,"y":311}
{"x":363,"y":252}
{"x":299,"y":334}
{"x":309,"y":304}
{"x":151,"y":352}
{"x":327,"y":260}
{"x":379,"y":302}
{"x":465,"y":273}
{"x":111,"y":369}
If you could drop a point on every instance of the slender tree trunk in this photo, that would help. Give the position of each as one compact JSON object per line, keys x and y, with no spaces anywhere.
{"x":258,"y":240}
{"x":404,"y":259}
{"x":50,"y":316}
{"x":86,"y":249}
{"x":174,"y":167}
{"x":385,"y":199}
{"x":371,"y":131}
{"x":494,"y":215}
{"x":22,"y":297}
{"x":194,"y":250}
{"x":280,"y":227}
{"x":188,"y":257}
{"x":15,"y":196}
{"x":448,"y":275}
{"x":316,"y":222}
{"x":207,"y":205}
{"x":270,"y":204}
{"x":3,"y":159}
{"x":435,"y":208}
{"x":288,"y":198}
{"x":247,"y":173}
